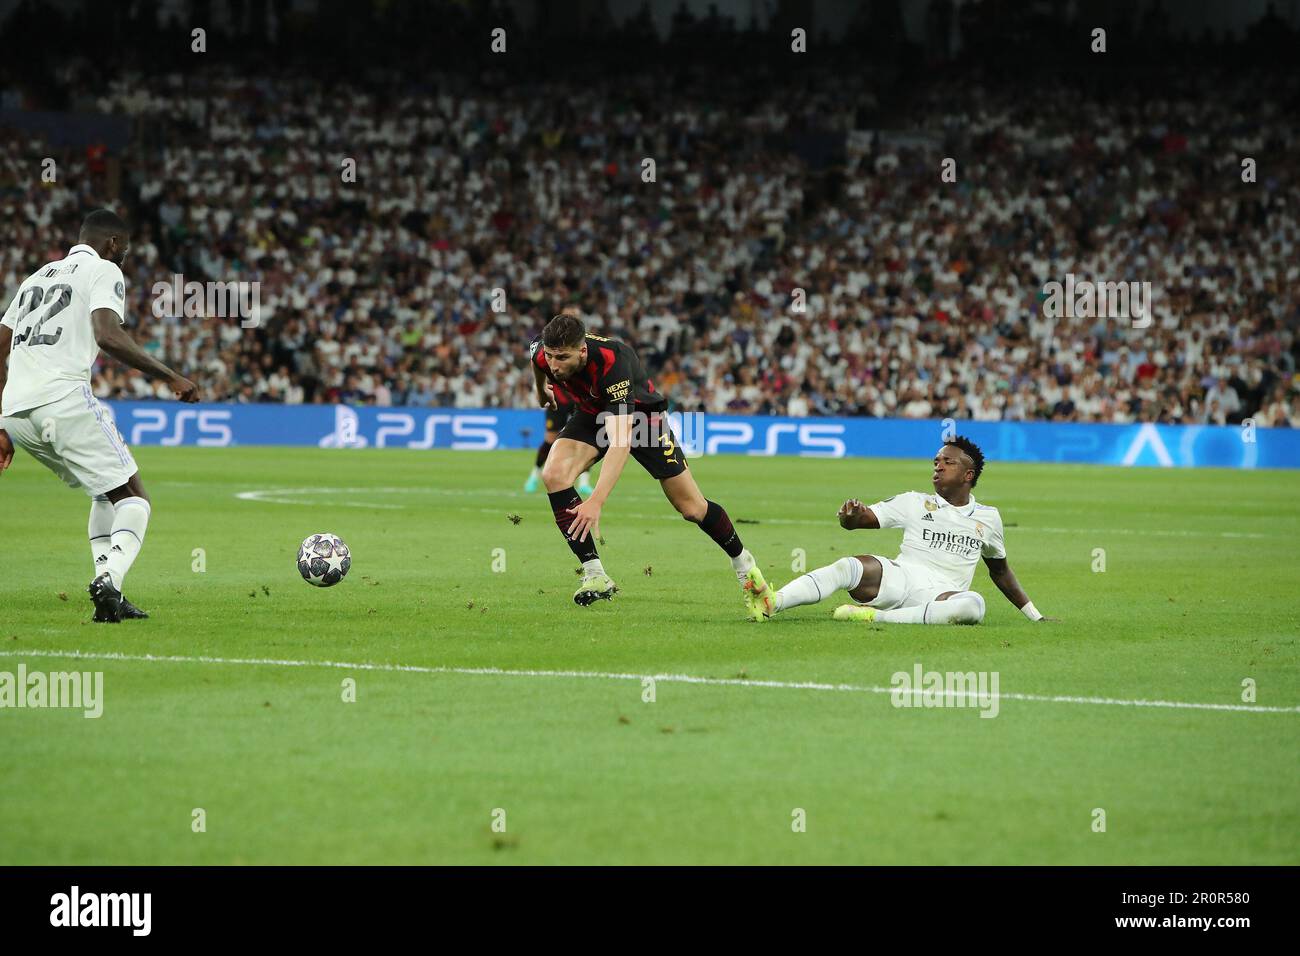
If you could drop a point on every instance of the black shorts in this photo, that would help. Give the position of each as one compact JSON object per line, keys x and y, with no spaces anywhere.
{"x":661,"y":455}
{"x":555,"y":420}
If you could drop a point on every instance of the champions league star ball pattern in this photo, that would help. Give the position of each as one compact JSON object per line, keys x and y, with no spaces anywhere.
{"x":323,"y":560}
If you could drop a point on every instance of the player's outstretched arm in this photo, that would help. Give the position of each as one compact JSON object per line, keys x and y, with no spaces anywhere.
{"x":1001,"y":574}
{"x":114,"y":340}
{"x":853,"y":514}
{"x":586,"y":516}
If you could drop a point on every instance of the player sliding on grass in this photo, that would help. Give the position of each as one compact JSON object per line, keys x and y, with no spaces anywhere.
{"x":619,"y":415}
{"x":51,"y":335}
{"x":944,"y":533}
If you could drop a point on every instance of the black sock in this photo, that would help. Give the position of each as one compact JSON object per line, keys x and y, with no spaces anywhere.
{"x":562,"y":501}
{"x":543,"y":450}
{"x":718,"y":526}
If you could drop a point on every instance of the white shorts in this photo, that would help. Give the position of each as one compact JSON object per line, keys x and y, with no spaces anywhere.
{"x":903,"y":585}
{"x":77,"y":439}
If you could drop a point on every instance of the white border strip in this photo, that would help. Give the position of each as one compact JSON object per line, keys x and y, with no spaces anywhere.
{"x":603,"y":675}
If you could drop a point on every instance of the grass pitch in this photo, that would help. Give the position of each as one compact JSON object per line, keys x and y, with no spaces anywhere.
{"x":1198,"y":594}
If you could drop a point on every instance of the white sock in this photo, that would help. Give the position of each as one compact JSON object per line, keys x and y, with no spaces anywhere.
{"x":129,"y":522}
{"x":100,"y":529}
{"x":536,"y":472}
{"x":741,"y":564}
{"x":584,"y":479}
{"x":964,"y":607}
{"x":592,"y":567}
{"x":844,"y":574}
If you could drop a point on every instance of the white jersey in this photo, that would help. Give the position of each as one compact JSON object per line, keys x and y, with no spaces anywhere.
{"x":942,"y":540}
{"x":54,"y":343}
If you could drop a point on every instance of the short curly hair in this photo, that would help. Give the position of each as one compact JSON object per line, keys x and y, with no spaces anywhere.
{"x":973,"y":452}
{"x":101,"y":224}
{"x":563,"y":331}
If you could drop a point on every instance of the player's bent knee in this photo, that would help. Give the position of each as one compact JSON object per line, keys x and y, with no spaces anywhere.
{"x":863,"y":594}
{"x":868,"y":586}
{"x":132,"y":489}
{"x":691,"y":511}
{"x":555,"y":473}
{"x":970,"y":607}
{"x":690,"y":504}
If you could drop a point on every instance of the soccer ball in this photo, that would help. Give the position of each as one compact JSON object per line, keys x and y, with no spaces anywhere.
{"x":323,"y":559}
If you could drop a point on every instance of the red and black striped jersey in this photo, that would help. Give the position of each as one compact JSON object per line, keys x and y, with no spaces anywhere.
{"x":613,"y":380}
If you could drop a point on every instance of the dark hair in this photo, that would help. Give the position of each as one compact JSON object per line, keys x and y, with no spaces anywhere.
{"x":973,"y":452}
{"x":101,"y":224}
{"x":563,"y":331}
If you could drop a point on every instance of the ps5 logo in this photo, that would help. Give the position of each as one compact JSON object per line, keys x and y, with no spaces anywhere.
{"x":813,"y":441}
{"x":212,"y":426}
{"x":420,"y":430}
{"x":468,"y":432}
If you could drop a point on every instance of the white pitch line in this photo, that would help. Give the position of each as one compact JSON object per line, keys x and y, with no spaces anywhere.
{"x":606,"y":675}
{"x":275,"y":496}
{"x":266,"y":497}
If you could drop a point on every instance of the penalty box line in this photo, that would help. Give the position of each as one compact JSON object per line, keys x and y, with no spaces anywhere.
{"x":607,"y":675}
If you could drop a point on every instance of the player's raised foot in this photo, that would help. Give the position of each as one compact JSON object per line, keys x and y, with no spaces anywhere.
{"x":585,"y":489}
{"x":531,"y":484}
{"x":759,"y":598}
{"x":107,"y":598}
{"x":132,"y":612}
{"x":594,"y":587}
{"x":853,"y":612}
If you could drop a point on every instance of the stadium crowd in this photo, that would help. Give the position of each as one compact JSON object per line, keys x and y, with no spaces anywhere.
{"x":782,"y":261}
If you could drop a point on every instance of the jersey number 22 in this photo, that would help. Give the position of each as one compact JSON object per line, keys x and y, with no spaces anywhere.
{"x":60,"y":299}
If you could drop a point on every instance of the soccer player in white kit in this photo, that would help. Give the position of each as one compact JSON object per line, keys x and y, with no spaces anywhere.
{"x":945,"y":533}
{"x":51,"y":334}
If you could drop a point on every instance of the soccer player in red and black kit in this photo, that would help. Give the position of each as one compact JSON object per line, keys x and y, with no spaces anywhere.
{"x":619,"y":415}
{"x":554,"y":422}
